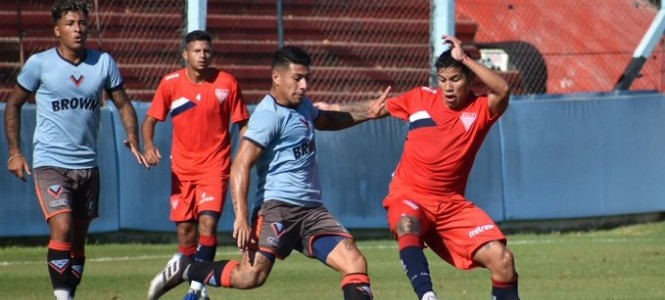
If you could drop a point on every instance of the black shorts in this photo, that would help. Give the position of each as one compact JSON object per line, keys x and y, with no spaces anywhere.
{"x":67,"y":190}
{"x":280,"y":228}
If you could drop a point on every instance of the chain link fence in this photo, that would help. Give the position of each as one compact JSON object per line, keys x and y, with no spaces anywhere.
{"x":358,"y":47}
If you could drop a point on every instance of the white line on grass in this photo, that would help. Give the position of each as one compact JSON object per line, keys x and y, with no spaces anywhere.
{"x":390,"y":245}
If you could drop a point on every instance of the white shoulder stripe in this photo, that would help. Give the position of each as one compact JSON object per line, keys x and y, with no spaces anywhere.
{"x":174,"y":75}
{"x":419,"y":115}
{"x":179,"y":102}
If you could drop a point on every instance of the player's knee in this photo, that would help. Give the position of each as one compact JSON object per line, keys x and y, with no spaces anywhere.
{"x":507,"y":261}
{"x":501,"y":264}
{"x":208,"y":222}
{"x":353,"y":260}
{"x":408,"y":225}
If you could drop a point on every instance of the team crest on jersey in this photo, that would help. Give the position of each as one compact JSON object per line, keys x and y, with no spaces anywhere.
{"x":77,"y":79}
{"x":221,"y":95}
{"x":55,"y":191}
{"x":278,"y":228}
{"x":468,"y":119}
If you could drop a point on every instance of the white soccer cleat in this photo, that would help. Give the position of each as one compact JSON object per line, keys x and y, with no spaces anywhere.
{"x":169,"y":277}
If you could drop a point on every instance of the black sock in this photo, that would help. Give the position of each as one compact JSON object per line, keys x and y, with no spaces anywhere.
{"x":78,"y":264}
{"x":205,"y":253}
{"x":206,"y":272}
{"x":417,"y":270}
{"x":59,"y":268}
{"x":505,"y":290}
{"x":357,"y":291}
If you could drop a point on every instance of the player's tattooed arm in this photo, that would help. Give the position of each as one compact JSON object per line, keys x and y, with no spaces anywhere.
{"x":343,"y":115}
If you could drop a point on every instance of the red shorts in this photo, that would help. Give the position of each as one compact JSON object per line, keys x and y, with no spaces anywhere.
{"x":453,"y":228}
{"x":191,"y":197}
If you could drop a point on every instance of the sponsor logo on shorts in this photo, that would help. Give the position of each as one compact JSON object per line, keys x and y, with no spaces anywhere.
{"x":206,"y":198}
{"x":273,"y":241}
{"x":55,"y":190}
{"x":482,"y":228}
{"x":57,"y":203}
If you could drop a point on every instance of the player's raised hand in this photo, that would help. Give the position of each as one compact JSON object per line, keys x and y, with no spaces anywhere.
{"x":18,"y":166}
{"x":133,"y":146}
{"x":457,"y":52}
{"x":241,"y":232}
{"x":377,"y":108}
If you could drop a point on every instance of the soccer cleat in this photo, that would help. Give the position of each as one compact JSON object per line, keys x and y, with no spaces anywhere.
{"x":201,"y":294}
{"x":191,"y":295}
{"x":169,"y":277}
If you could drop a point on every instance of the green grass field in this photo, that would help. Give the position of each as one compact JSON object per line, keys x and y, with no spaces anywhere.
{"x":622,"y":263}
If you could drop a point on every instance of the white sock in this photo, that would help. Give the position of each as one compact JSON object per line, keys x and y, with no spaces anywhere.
{"x":430,"y":296}
{"x":62,"y":294}
{"x":196,"y":286}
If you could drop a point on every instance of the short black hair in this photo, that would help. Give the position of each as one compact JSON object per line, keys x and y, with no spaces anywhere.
{"x":446,"y":60}
{"x":62,"y":7}
{"x":197,"y":35}
{"x":290,"y":55}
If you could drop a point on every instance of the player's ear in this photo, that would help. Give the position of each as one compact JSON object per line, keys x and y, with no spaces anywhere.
{"x":56,"y":30}
{"x":276,"y":77}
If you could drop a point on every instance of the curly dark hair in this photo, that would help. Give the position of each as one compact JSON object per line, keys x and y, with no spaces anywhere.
{"x":62,"y":7}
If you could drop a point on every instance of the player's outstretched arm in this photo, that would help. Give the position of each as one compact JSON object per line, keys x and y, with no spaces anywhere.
{"x":129,"y":122}
{"x":248,"y":153}
{"x":340,"y":116}
{"x":16,"y":164}
{"x":499,"y":89}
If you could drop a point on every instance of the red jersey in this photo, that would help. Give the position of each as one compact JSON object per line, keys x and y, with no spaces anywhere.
{"x":441,"y":144}
{"x":201,"y":115}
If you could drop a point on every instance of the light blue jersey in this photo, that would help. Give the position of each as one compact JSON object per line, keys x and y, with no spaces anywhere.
{"x":68,"y":101}
{"x":287,"y":170}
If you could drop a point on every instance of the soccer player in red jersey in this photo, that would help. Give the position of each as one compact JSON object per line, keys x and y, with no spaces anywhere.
{"x":202,"y":103}
{"x":426,"y":203}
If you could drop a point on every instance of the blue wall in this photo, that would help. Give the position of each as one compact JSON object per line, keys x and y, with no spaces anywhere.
{"x":550,"y":156}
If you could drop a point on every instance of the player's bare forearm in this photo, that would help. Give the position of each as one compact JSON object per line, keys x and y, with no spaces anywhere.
{"x":148,"y":132}
{"x":13,"y":119}
{"x":344,"y":115}
{"x":239,"y":188}
{"x":127,"y":115}
{"x":337,"y":120}
{"x":497,"y":85}
{"x":246,"y":156}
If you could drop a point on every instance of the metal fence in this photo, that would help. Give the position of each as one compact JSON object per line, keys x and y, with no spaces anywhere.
{"x":358,"y":47}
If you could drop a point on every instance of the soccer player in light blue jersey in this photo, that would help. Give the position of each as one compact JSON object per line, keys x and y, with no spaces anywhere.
{"x":289,"y":213}
{"x":68,"y":82}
